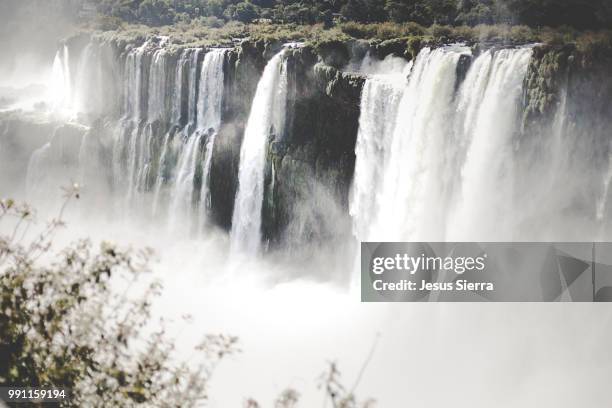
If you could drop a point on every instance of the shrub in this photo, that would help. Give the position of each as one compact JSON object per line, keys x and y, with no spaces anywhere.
{"x":413,"y":28}
{"x":358,"y":30}
{"x":212,"y":22}
{"x":386,"y":31}
{"x":62,"y":325}
{"x":107,"y":23}
{"x":491,"y":32}
{"x":440,"y":31}
{"x":464,"y":33}
{"x":595,"y":44}
{"x":522,"y":34}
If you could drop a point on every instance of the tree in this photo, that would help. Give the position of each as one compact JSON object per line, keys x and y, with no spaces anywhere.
{"x":245,"y":12}
{"x":475,"y":12}
{"x":408,"y":10}
{"x":63,"y":326}
{"x":156,"y":12}
{"x":215,"y":8}
{"x":364,"y":10}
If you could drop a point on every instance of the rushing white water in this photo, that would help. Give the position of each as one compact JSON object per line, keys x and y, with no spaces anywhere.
{"x":207,"y":98}
{"x":205,"y":194}
{"x":441,"y":168}
{"x":412,"y":192}
{"x":86,"y":93}
{"x":380,"y":100}
{"x":134,"y":85}
{"x":210,"y":95}
{"x":60,"y":83}
{"x":267,"y":114}
{"x":194,"y":77}
{"x":485,"y":204}
{"x":210,"y":104}
{"x":180,"y":86}
{"x":183,"y":191}
{"x":157,"y":86}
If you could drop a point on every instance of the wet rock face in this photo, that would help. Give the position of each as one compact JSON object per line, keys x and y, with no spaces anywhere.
{"x":586,"y":81}
{"x":312,"y":165}
{"x":463,"y":66}
{"x":545,"y":77}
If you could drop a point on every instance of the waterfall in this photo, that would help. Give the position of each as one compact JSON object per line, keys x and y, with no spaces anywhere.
{"x":193,"y":87}
{"x":206,"y":98}
{"x":484,"y":203}
{"x":267,"y":115}
{"x":188,"y":142}
{"x":412,"y":192}
{"x":180,"y":87}
{"x":67,"y":76}
{"x":380,"y":99}
{"x":210,"y":103}
{"x":210,"y":95}
{"x":36,"y":174}
{"x":157,"y":87}
{"x":86,"y":99}
{"x":60,"y":88}
{"x":131,"y":149}
{"x":183,"y":191}
{"x":134,"y":83}
{"x":58,"y":96}
{"x":437,"y":165}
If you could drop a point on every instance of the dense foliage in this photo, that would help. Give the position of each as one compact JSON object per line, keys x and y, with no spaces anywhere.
{"x":580,"y":14}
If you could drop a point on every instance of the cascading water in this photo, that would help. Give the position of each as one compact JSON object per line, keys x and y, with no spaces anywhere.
{"x":206,"y":99}
{"x":180,"y":87}
{"x":129,"y":149}
{"x":87,"y":100}
{"x":440,"y":170}
{"x":60,"y":89}
{"x":485,"y":200}
{"x":436,"y":159}
{"x":210,"y":95}
{"x":182,"y":189}
{"x":194,"y":77}
{"x":267,"y":115}
{"x":379,"y":108}
{"x":209,"y":116}
{"x":157,"y":87}
{"x":412,"y":193}
{"x":166,"y":160}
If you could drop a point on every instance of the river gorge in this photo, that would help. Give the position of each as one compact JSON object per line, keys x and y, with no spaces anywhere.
{"x":254,"y":170}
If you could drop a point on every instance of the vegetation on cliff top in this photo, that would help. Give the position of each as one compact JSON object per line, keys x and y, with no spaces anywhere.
{"x":400,"y":26}
{"x":399,"y":38}
{"x":582,"y":14}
